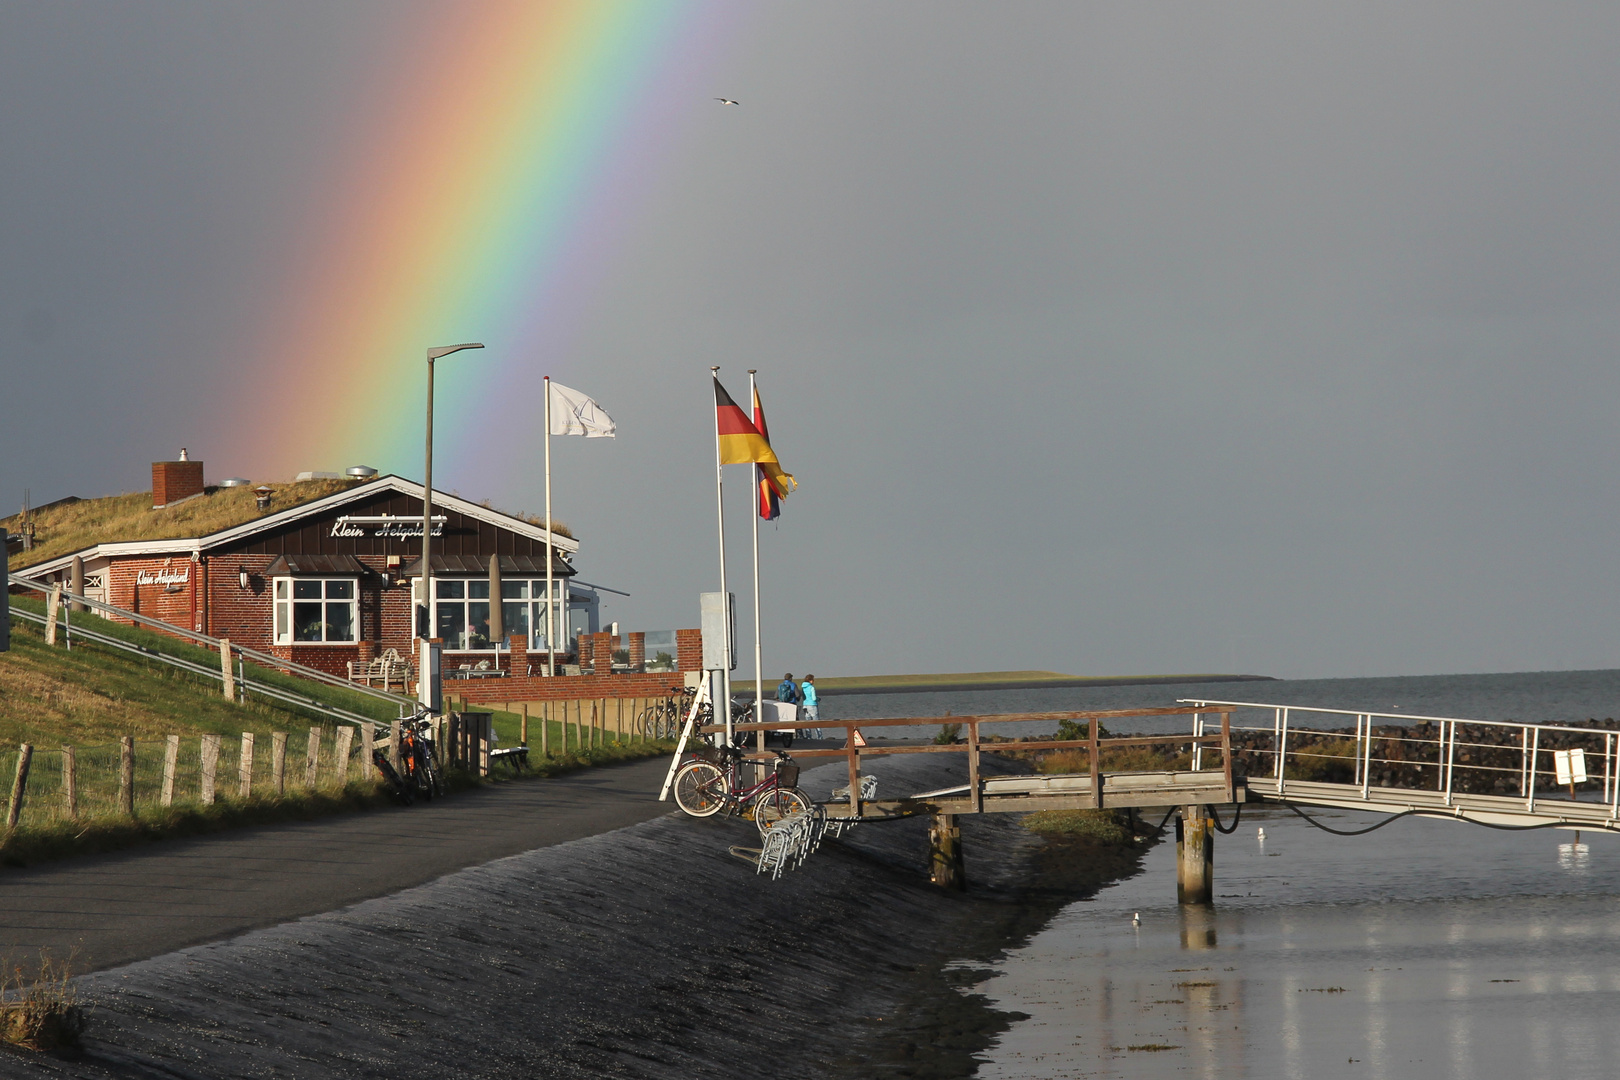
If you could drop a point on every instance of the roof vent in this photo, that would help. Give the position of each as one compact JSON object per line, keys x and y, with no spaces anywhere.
{"x":360,"y":472}
{"x":310,"y":475}
{"x":234,"y":481}
{"x":262,"y":495}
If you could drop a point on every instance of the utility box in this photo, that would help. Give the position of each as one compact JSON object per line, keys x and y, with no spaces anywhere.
{"x":719,"y":626}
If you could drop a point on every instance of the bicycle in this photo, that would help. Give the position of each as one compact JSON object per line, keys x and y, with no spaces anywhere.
{"x":418,"y":773}
{"x":711,"y":783}
{"x":663,"y":719}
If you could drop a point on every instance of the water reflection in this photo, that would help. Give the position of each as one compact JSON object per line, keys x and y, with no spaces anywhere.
{"x":1428,"y":948}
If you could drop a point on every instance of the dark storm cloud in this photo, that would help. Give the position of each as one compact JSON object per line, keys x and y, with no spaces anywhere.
{"x":1104,"y":338}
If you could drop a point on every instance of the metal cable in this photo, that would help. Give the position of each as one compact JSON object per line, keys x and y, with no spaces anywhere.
{"x":1237,"y":816}
{"x":1423,"y":813}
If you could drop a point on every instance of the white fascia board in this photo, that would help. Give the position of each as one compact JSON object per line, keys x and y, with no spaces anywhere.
{"x":187,"y":546}
{"x":370,"y":488}
{"x":196,"y":545}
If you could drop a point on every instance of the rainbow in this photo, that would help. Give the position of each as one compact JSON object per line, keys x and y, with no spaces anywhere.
{"x":485,"y":204}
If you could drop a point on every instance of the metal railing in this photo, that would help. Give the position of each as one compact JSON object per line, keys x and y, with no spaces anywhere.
{"x":264,"y":659}
{"x":1465,"y":756}
{"x":281,"y":694}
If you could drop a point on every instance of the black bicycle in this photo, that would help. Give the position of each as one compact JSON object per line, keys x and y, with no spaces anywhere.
{"x":418,"y":773}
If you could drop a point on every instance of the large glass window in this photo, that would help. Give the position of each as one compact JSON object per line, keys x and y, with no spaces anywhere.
{"x":316,"y":610}
{"x":461,"y":611}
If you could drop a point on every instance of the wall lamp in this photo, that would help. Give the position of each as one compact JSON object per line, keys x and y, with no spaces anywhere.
{"x":242,"y":577}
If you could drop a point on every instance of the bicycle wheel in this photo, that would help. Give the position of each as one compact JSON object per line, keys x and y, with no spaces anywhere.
{"x":774,"y":805}
{"x":700,"y":789}
{"x":396,"y":786}
{"x":648,"y":722}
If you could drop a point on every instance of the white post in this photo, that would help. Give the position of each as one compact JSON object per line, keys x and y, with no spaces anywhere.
{"x":551,"y":622}
{"x":722,"y":708}
{"x":753,"y":512}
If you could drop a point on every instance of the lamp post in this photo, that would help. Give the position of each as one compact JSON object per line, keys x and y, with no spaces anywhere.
{"x":425,"y":614}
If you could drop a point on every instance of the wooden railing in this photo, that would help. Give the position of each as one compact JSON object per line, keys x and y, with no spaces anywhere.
{"x":1094,"y":745}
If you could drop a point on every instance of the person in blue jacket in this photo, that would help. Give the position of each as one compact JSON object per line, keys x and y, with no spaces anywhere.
{"x":811,"y":707}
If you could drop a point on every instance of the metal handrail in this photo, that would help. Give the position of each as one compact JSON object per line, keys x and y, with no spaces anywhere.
{"x":269,"y":690}
{"x":263,"y":658}
{"x":1445,"y":742}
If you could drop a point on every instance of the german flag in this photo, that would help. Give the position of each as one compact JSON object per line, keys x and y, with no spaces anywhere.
{"x":740,"y":441}
{"x":774,"y":484}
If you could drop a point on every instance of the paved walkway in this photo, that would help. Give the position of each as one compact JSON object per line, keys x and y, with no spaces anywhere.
{"x":151,"y":900}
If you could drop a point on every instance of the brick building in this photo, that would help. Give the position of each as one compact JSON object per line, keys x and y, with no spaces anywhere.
{"x":338,"y":579}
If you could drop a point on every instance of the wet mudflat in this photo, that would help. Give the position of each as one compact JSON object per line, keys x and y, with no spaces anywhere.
{"x":650,"y":951}
{"x":1427,"y":948}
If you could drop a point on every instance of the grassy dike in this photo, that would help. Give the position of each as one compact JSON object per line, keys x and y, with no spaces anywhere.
{"x":90,"y":696}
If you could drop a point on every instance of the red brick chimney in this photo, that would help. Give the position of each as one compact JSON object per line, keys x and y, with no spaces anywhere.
{"x":173,"y":481}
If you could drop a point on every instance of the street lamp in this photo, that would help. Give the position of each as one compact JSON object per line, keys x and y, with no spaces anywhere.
{"x":425,"y":613}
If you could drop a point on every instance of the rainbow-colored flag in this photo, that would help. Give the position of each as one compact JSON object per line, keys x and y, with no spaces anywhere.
{"x":773,"y":483}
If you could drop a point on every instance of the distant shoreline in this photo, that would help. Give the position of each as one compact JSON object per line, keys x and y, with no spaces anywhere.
{"x":834,"y":687}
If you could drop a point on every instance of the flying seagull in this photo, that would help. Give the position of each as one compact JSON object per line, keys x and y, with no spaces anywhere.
{"x":726,"y":101}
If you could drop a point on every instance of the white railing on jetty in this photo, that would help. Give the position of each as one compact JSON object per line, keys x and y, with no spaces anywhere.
{"x":1515,"y":759}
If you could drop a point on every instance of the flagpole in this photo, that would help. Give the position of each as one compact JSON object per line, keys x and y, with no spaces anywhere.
{"x":723,"y":706}
{"x":759,"y":669}
{"x":551,"y":621}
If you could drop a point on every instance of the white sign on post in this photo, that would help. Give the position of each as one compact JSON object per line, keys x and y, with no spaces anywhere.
{"x":1570,"y":765}
{"x":717,"y":619}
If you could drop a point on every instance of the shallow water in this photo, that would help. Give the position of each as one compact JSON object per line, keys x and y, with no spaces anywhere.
{"x":1427,"y":948}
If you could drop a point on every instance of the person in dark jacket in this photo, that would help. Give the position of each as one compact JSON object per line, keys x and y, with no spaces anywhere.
{"x":787,"y":690}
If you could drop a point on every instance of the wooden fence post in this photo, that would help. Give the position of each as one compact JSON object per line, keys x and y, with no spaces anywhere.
{"x":485,"y":723}
{"x":171,"y":758}
{"x":393,"y":746}
{"x":278,"y":761}
{"x":523,"y":736}
{"x":70,"y":783}
{"x":53,"y":605}
{"x":368,"y":738}
{"x":208,"y":763}
{"x":126,"y":775}
{"x":545,"y":729}
{"x":340,"y":755}
{"x":25,"y":756}
{"x":229,"y":684}
{"x":312,"y":764}
{"x":244,"y":766}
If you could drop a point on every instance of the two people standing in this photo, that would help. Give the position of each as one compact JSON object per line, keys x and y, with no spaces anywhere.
{"x":804,"y":696}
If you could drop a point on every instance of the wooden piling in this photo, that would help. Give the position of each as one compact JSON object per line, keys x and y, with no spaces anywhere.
{"x":945,"y":866}
{"x":70,"y":783}
{"x":19,"y":785}
{"x":244,"y":766}
{"x":171,"y":758}
{"x":312,"y":762}
{"x":53,"y":607}
{"x":545,"y":729}
{"x":126,"y":775}
{"x":1195,"y":856}
{"x":208,"y":767}
{"x":368,"y":738}
{"x":394,"y":759}
{"x":278,"y":761}
{"x":523,"y":736}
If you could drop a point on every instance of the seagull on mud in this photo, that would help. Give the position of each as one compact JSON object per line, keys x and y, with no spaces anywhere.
{"x":727,"y":101}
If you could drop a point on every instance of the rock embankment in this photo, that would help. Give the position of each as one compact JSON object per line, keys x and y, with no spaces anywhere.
{"x":651,"y":951}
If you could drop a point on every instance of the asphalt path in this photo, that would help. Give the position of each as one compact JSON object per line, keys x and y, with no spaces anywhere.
{"x":136,"y":904}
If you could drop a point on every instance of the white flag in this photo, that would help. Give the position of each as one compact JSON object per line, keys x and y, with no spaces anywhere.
{"x":572,"y":413}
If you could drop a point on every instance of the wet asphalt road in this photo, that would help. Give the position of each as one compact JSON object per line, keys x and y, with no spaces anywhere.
{"x":151,"y":900}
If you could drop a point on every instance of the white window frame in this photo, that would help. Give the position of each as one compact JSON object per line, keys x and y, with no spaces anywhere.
{"x":283,"y":601}
{"x":535,"y":601}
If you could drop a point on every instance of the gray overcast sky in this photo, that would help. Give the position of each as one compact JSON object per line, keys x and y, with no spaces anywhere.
{"x":1106,"y":338}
